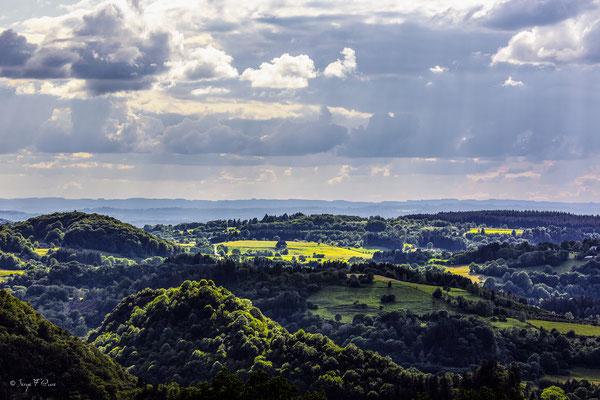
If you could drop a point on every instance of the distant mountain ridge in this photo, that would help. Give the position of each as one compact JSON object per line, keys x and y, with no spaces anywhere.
{"x":142,"y":211}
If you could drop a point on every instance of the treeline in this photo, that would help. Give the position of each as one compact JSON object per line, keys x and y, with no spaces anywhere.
{"x":345,"y":231}
{"x":94,"y":232}
{"x":523,"y":254}
{"x":517,"y":219}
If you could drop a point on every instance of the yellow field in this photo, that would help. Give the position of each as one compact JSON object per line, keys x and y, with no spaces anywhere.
{"x":496,"y":231}
{"x":463,"y":270}
{"x":296,"y":249}
{"x":7,"y":273}
{"x":185,"y":244}
{"x":564,"y":327}
{"x":43,"y":252}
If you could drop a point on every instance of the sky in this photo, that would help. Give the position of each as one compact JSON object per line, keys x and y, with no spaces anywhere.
{"x":338,"y":99}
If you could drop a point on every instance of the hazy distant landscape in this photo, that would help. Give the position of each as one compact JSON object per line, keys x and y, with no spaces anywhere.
{"x":140,"y":212}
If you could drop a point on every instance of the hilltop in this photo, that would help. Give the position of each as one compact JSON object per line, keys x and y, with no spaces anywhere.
{"x":93,"y":232}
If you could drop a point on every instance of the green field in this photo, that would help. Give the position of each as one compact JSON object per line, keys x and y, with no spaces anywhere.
{"x":592,"y":375}
{"x":296,"y":249}
{"x":4,"y":274}
{"x":496,"y":231}
{"x":511,"y":323}
{"x":564,"y":327}
{"x":463,"y":270}
{"x":566,"y":266}
{"x":415,"y":297}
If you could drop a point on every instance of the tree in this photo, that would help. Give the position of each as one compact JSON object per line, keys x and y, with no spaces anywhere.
{"x":437,"y":294}
{"x":338,"y":317}
{"x":553,"y":393}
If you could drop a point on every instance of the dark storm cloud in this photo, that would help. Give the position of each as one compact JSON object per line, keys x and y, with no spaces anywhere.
{"x":384,"y":136}
{"x":517,"y":14}
{"x":286,"y":137}
{"x":14,"y":49}
{"x":104,"y":50}
{"x":204,"y":136}
{"x":20,"y":119}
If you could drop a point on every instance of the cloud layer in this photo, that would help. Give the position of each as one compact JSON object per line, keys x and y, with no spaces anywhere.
{"x":491,"y":96}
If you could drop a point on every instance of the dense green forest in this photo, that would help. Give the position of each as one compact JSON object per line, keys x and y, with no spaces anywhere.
{"x":31,"y":348}
{"x":95,"y":232}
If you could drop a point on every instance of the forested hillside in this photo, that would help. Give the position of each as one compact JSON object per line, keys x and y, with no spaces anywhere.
{"x":32,"y":349}
{"x":189,"y":333}
{"x":95,"y":232}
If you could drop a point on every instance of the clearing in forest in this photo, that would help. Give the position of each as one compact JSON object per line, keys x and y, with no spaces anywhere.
{"x":296,"y":249}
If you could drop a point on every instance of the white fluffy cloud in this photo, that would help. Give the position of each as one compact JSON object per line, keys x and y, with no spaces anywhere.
{"x":210,"y":91}
{"x":204,"y":63}
{"x":285,"y":72}
{"x":438,"y":70}
{"x":342,"y":68}
{"x":573,"y":41}
{"x":510,"y":82}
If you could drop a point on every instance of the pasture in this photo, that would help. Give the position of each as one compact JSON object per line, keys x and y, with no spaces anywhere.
{"x":337,"y":299}
{"x":578,"y":373}
{"x":5,"y":274}
{"x":510,"y":323}
{"x":43,"y":252}
{"x":496,"y":231}
{"x":296,"y":249}
{"x":463,"y":270}
{"x":565,"y":327}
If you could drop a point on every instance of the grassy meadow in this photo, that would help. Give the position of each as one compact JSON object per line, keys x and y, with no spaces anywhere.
{"x":43,"y":252}
{"x":565,"y":327}
{"x":4,"y":274}
{"x":463,"y":270}
{"x":496,"y":231}
{"x":296,"y":249}
{"x":579,"y":373}
{"x":336,"y":299}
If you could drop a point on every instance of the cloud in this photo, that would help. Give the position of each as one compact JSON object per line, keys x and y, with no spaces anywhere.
{"x":285,"y":72}
{"x":14,"y":49}
{"x":106,"y":47}
{"x":286,"y":137}
{"x":210,"y":91}
{"x":511,"y":83}
{"x":438,"y":70}
{"x":384,"y":136}
{"x":202,"y":64}
{"x":204,"y":136}
{"x":343,"y":175}
{"x":570,"y":42}
{"x":342,"y":68}
{"x":517,"y":14}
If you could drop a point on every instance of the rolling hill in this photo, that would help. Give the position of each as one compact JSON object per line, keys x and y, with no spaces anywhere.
{"x":187,"y":334}
{"x":94,"y":232}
